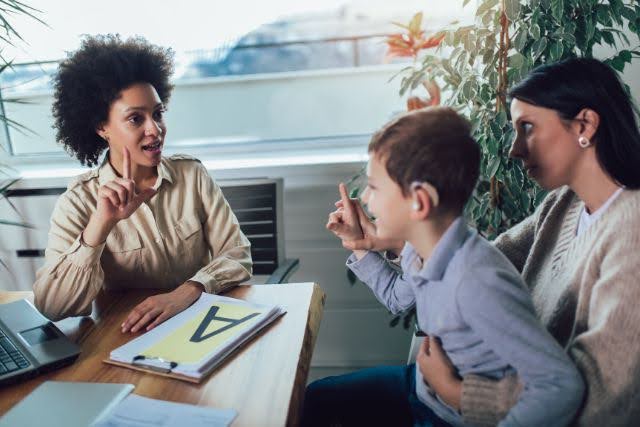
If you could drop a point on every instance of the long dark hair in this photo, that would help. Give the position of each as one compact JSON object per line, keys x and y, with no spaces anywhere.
{"x":573,"y":84}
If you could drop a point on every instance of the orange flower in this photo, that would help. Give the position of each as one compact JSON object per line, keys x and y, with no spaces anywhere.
{"x":411,"y":42}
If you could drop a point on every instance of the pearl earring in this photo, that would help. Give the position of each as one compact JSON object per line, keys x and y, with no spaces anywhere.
{"x":584,"y":142}
{"x":416,"y":206}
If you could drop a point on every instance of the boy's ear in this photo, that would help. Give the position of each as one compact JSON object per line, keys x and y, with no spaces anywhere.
{"x":421,"y":206}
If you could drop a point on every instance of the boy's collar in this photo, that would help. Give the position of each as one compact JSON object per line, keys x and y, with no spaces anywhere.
{"x":436,"y":265}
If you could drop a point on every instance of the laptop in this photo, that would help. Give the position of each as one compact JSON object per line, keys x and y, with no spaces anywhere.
{"x":30,"y":344}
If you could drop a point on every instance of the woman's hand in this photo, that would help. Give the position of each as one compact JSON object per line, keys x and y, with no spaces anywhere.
{"x":439,"y":373}
{"x":158,"y":308}
{"x":117,"y":200}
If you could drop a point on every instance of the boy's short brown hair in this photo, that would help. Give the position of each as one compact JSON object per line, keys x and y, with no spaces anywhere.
{"x":433,"y":144}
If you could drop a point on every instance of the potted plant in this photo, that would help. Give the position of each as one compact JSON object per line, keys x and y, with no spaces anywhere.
{"x":506,"y":41}
{"x":8,"y":35}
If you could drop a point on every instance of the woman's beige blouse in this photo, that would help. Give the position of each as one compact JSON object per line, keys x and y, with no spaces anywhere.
{"x":185,"y":232}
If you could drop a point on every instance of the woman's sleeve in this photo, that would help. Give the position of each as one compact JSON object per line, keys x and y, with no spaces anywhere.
{"x":608,"y":352}
{"x":72,"y":275}
{"x":230,"y":249}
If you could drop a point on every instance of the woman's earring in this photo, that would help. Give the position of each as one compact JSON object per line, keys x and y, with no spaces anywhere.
{"x":416,"y":205}
{"x":584,"y":142}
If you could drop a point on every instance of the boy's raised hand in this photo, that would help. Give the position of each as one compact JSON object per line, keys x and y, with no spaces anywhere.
{"x":370,"y":240}
{"x":344,"y":222}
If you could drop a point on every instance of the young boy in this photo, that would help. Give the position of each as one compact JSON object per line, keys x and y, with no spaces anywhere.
{"x":423,"y":167}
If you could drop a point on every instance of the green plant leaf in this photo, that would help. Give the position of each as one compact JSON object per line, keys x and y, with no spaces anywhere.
{"x":569,"y":38}
{"x":497,"y":218}
{"x":608,"y":38}
{"x":629,"y":13}
{"x":494,"y":164}
{"x":557,"y":9}
{"x":468,"y":90}
{"x":617,"y":7}
{"x":516,"y":60}
{"x":486,"y":6}
{"x":15,"y":223}
{"x":512,"y":9}
{"x":520,"y":40}
{"x":556,"y":50}
{"x":487,"y":18}
{"x":602,"y":15}
{"x":534,"y":31}
{"x":501,"y":118}
{"x":525,"y":200}
{"x":540,"y":195}
{"x":488,"y":56}
{"x":537,"y":48}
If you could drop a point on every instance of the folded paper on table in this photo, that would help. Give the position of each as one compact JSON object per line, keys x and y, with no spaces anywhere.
{"x":138,"y":411}
{"x":191,"y":344}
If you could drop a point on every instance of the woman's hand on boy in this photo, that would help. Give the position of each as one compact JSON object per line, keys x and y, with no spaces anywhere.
{"x":438,"y":371}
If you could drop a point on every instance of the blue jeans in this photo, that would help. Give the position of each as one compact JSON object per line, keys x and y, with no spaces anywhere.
{"x":384,"y":395}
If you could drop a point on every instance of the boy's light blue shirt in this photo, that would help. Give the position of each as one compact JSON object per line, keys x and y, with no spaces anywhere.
{"x":470,"y":296}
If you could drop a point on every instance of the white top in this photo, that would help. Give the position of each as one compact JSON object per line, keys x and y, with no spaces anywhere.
{"x":587,"y":219}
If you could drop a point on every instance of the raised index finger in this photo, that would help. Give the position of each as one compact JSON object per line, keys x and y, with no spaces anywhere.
{"x":344,"y":198}
{"x":126,"y":163}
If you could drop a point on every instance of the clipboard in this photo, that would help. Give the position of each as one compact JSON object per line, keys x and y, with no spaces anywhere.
{"x":193,"y":343}
{"x":149,"y":370}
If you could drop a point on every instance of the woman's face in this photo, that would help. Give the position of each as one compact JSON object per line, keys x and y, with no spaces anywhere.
{"x":136,"y":121}
{"x":547,"y":146}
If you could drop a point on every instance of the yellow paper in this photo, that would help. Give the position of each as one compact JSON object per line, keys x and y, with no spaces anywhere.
{"x":179,"y":345}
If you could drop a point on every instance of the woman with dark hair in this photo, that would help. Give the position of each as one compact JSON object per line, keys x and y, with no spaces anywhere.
{"x":138,"y":220}
{"x":577,"y":135}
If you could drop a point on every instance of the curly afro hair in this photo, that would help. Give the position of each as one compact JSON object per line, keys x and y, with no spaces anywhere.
{"x":92,"y":77}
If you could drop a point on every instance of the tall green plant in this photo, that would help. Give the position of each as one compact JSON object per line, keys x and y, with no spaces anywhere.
{"x":507,"y":40}
{"x":9,"y":9}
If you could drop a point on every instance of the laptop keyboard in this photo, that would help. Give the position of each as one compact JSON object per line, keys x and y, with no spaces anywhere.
{"x":11,"y":359}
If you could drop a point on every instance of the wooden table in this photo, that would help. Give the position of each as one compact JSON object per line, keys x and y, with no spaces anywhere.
{"x":264,"y":381}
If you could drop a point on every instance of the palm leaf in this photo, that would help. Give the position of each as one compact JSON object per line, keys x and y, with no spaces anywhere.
{"x":16,"y":223}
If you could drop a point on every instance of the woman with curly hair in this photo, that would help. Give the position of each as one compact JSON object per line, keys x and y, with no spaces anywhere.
{"x":138,"y":220}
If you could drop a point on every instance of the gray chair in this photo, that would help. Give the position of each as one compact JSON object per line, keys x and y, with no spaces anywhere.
{"x":257,"y":203}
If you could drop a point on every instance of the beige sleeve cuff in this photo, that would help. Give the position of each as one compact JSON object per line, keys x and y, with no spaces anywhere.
{"x":485,"y":401}
{"x":209,"y":282}
{"x":81,"y":255}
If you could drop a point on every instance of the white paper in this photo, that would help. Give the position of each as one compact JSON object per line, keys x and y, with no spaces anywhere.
{"x":138,"y":411}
